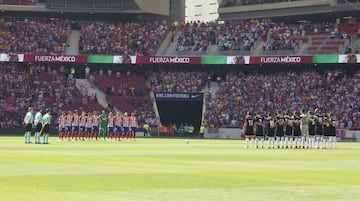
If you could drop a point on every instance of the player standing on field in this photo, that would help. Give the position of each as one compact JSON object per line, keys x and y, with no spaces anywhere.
{"x":38,"y":126}
{"x":327,"y":138}
{"x":133,"y":126}
{"x":126,"y":125}
{"x":118,"y":125}
{"x":312,"y":131}
{"x":61,"y":121}
{"x":249,"y":129}
{"x":288,"y":130}
{"x":304,"y":127}
{"x":332,"y":131}
{"x":28,"y":124}
{"x":280,"y":121}
{"x":297,"y":130}
{"x":270,"y":121}
{"x":88,"y":126}
{"x":82,"y":123}
{"x":46,"y":126}
{"x":68,"y":120}
{"x":95,"y":125}
{"x":102,"y":121}
{"x":75,"y":125}
{"x":319,"y":120}
{"x":259,"y":121}
{"x":110,"y":126}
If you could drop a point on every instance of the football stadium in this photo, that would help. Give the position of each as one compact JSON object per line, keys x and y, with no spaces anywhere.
{"x":179,"y":100}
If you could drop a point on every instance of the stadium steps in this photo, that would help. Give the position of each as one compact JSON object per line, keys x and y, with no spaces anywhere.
{"x":101,"y":97}
{"x":169,"y":47}
{"x":355,"y":44}
{"x":73,"y":43}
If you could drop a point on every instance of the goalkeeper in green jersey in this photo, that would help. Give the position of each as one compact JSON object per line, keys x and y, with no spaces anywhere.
{"x":102,"y":130}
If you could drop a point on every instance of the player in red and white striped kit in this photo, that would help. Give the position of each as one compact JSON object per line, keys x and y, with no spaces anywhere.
{"x":118,"y":125}
{"x":133,"y":126}
{"x":62,"y":127}
{"x":88,"y":126}
{"x":75,"y":125}
{"x":110,"y":126}
{"x":126,"y":126}
{"x":95,"y":125}
{"x":68,"y":120}
{"x":82,"y":120}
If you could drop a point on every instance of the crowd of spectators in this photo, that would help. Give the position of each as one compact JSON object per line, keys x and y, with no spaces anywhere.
{"x":177,"y":81}
{"x":106,"y":38}
{"x":334,"y":91}
{"x":34,"y":36}
{"x":241,"y":34}
{"x":38,"y":86}
{"x":196,"y":36}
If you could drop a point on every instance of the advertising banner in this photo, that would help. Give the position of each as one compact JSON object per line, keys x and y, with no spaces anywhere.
{"x":55,"y":58}
{"x":329,"y":59}
{"x":238,"y":60}
{"x":124,"y":59}
{"x":175,"y":96}
{"x":167,"y":60}
{"x":214,"y":60}
{"x":11,"y":57}
{"x":280,"y":59}
{"x":349,"y":58}
{"x":100,"y":59}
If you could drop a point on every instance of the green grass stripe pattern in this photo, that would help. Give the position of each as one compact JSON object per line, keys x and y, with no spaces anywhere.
{"x":170,"y":169}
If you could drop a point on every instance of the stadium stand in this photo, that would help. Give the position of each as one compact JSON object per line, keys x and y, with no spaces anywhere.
{"x":36,"y":36}
{"x":105,"y":38}
{"x":177,"y":81}
{"x":38,"y":86}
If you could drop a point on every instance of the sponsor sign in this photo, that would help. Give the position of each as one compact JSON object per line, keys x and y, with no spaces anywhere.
{"x":349,"y":58}
{"x":167,"y":60}
{"x":55,"y":58}
{"x":238,"y":60}
{"x":280,"y":59}
{"x":11,"y":57}
{"x":174,"y":96}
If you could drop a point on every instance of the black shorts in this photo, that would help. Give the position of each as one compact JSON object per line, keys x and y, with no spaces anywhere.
{"x":38,"y":127}
{"x":259,"y":132}
{"x":332,"y":131}
{"x":271,"y":132}
{"x":280,"y":132}
{"x":46,"y":129}
{"x":28,"y":127}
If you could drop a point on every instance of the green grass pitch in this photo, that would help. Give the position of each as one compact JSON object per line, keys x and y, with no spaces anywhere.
{"x":171,"y":170}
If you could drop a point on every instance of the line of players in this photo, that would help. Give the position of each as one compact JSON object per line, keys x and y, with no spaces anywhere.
{"x":285,"y":130}
{"x":87,"y":126}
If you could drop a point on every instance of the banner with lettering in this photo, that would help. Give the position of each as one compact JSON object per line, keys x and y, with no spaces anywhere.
{"x":167,"y":60}
{"x":280,"y":59}
{"x":55,"y":58}
{"x":178,"y":96}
